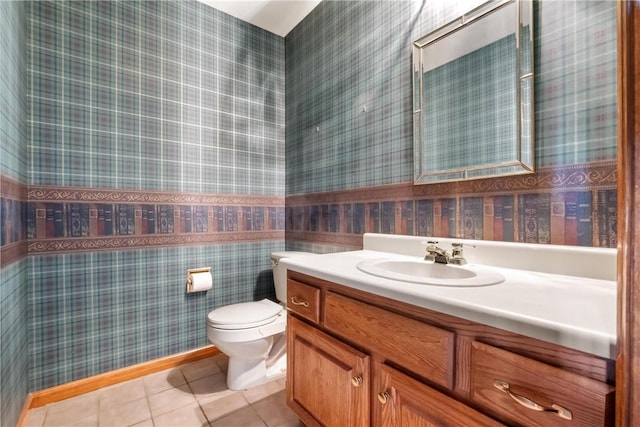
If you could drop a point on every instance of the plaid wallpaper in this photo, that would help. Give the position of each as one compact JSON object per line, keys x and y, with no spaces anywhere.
{"x":14,"y":289}
{"x":349,"y":131}
{"x":157,"y":145}
{"x":349,"y":89}
{"x":155,"y":95}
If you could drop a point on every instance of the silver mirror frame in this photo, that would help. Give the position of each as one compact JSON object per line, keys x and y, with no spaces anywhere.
{"x":524,"y":161}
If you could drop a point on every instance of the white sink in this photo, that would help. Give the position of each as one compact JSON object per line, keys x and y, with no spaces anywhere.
{"x":430,"y":273}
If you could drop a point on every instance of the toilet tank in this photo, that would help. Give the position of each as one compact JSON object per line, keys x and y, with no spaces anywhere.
{"x":280,"y":273}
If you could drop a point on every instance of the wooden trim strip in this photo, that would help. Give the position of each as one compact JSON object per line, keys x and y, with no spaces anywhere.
{"x":628,"y":360}
{"x":86,"y":385}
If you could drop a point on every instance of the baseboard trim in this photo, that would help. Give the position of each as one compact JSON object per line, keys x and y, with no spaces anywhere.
{"x":85,"y":385}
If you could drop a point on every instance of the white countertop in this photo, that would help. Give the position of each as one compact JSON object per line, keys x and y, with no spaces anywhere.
{"x":574,"y":312}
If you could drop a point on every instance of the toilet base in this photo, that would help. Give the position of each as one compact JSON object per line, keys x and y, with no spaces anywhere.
{"x":243,"y":374}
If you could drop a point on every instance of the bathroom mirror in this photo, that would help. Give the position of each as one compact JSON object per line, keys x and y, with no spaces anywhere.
{"x":473,"y":95}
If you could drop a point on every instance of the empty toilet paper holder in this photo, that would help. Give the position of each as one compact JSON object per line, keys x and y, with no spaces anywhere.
{"x":191,"y":272}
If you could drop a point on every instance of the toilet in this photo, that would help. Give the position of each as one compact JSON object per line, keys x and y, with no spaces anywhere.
{"x":252,"y":334}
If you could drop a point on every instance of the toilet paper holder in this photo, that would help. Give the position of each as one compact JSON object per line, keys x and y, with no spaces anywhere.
{"x":191,"y":272}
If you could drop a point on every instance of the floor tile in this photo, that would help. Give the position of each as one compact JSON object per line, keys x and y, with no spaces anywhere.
{"x":193,"y":395}
{"x":274,"y":410}
{"x":124,"y":414}
{"x":122,"y":393}
{"x":35,"y":417}
{"x":260,"y":392}
{"x":245,"y":417}
{"x":210,"y":388}
{"x":200,"y":369}
{"x":185,"y":416}
{"x":222,"y":360}
{"x":69,"y":411}
{"x":168,"y":400}
{"x":163,"y":380}
{"x":221,"y":407}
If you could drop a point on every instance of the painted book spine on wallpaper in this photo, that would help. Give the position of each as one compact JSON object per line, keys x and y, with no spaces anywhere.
{"x":557,"y":218}
{"x":585,"y":230}
{"x":571,"y":218}
{"x":407,"y":214}
{"x":373,"y":220}
{"x":507,"y":218}
{"x":425,"y":217}
{"x":358,"y":218}
{"x":334,"y":218}
{"x":472,"y":217}
{"x":498,"y":218}
{"x":324,"y":218}
{"x":387,"y":218}
{"x":347,"y":217}
{"x":607,"y":218}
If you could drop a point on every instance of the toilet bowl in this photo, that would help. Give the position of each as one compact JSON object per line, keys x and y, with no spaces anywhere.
{"x":252,"y":334}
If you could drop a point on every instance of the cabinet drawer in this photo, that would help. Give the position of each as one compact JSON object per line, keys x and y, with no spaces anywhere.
{"x":303,"y":300}
{"x":418,"y":347}
{"x":527,"y":392}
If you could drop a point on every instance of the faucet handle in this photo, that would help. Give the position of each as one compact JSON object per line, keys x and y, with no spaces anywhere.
{"x":456,"y":253}
{"x":431,"y":249}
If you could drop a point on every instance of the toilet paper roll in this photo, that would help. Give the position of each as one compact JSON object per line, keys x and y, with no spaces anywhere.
{"x":200,"y":282}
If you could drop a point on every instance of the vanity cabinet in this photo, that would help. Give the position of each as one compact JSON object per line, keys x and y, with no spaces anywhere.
{"x":358,"y":359}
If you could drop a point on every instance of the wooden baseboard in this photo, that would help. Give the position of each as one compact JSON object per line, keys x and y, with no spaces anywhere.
{"x":85,"y":385}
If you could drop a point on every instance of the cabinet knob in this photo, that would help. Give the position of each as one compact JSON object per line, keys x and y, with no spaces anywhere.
{"x":383,"y":397}
{"x":530,"y":404}
{"x":356,"y":381}
{"x":296,"y":301}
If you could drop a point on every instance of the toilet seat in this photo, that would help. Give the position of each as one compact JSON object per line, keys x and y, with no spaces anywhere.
{"x":244,"y":315}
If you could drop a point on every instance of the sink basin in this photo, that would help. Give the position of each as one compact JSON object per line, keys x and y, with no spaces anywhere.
{"x":430,"y":273}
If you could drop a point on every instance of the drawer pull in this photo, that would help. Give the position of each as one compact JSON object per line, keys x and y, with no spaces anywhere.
{"x":383,"y":397}
{"x":296,"y":301}
{"x":356,"y":381}
{"x":530,"y":404}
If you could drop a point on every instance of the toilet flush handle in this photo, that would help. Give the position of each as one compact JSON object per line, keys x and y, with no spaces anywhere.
{"x":296,"y":301}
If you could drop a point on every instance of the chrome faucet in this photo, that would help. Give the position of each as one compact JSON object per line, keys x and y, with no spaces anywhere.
{"x":441,"y":256}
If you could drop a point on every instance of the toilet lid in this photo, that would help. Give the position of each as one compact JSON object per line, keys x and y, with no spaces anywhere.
{"x":244,"y":315}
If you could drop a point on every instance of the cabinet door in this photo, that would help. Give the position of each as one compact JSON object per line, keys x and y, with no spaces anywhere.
{"x":327,"y":380}
{"x":406,"y":402}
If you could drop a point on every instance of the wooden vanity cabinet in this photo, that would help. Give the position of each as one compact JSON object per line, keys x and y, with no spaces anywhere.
{"x":357,"y":359}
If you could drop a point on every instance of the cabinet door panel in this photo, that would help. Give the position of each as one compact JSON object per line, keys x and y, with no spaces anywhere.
{"x":328,"y":381}
{"x":410,"y":403}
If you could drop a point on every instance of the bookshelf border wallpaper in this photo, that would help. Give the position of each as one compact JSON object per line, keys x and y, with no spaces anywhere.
{"x":573,"y":205}
{"x":76,"y":219}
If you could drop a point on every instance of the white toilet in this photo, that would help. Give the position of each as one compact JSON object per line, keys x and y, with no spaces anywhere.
{"x":252,"y":334}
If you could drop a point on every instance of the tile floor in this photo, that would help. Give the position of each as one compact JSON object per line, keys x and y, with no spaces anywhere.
{"x":193,"y":394}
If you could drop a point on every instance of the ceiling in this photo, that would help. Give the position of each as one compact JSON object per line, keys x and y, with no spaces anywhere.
{"x":276,"y":16}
